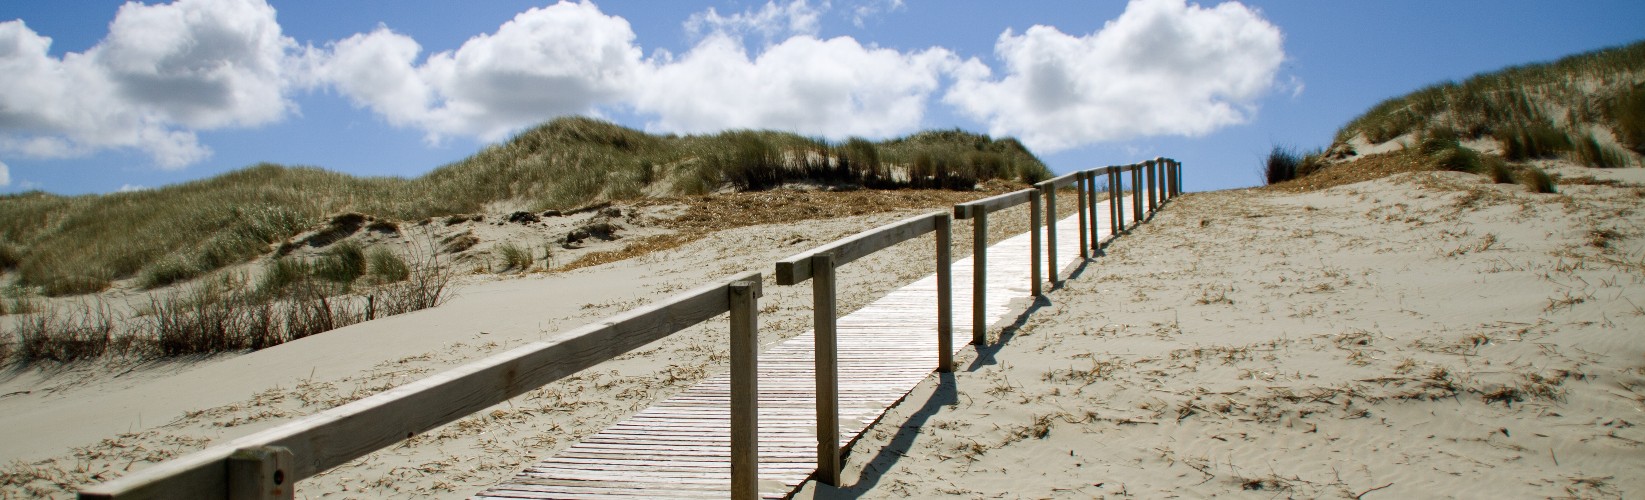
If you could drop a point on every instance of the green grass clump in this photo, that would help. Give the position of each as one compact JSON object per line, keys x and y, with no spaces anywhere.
{"x":64,"y":245}
{"x":168,"y":271}
{"x":281,"y":274}
{"x":1538,"y":181}
{"x":1281,"y":165}
{"x":1534,"y":140}
{"x":386,"y":267}
{"x":1497,"y":169}
{"x":1627,"y":112}
{"x":515,"y":257}
{"x":1444,"y":152}
{"x":10,"y":256}
{"x":1588,"y":151}
{"x":341,"y":264}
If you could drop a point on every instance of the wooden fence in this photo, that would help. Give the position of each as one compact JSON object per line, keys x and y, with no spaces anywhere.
{"x":818,"y":265}
{"x":268,"y":464}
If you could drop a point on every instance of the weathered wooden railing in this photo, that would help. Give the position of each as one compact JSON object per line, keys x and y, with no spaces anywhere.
{"x":1152,"y":183}
{"x":268,"y":464}
{"x":978,"y":212}
{"x":818,"y":265}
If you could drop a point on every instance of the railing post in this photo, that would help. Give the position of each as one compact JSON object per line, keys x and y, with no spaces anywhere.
{"x":1169,"y":180}
{"x":1148,"y":182}
{"x":1170,"y":189}
{"x":1160,"y":181}
{"x":1091,"y":206}
{"x":1116,"y":210}
{"x":1079,"y":184}
{"x":1176,"y":178}
{"x":1034,"y":242}
{"x":979,"y":277}
{"x":745,"y":393}
{"x":827,"y":361}
{"x":261,"y":473}
{"x":1049,"y":193}
{"x":1178,"y":184}
{"x":945,"y":294}
{"x":1136,"y":193}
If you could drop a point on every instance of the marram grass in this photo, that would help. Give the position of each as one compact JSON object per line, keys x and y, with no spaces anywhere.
{"x":67,"y":245}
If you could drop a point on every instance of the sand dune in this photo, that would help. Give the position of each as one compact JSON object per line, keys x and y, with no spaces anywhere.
{"x":1425,"y":335}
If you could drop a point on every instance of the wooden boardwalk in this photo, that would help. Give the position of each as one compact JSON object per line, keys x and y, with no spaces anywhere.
{"x":680,"y":447}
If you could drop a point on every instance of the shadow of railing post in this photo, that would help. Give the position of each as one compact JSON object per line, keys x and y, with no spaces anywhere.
{"x":818,"y":265}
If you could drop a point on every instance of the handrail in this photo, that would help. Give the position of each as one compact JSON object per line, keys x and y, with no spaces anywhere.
{"x":818,"y":265}
{"x":1063,"y":180}
{"x":996,"y":203}
{"x":269,"y":463}
{"x":273,"y":460}
{"x":797,"y":268}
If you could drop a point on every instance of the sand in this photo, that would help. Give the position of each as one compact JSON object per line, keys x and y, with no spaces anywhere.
{"x":1425,"y":335}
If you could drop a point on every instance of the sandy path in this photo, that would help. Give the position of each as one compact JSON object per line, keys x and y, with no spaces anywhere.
{"x":885,"y":348}
{"x":1428,"y":335}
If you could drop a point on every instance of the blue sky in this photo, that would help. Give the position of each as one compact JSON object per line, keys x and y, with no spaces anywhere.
{"x":132,"y":95}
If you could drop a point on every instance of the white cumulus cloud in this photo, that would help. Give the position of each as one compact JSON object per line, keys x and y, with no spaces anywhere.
{"x":5,"y":175}
{"x":571,"y":58}
{"x":566,"y":58}
{"x":162,"y":73}
{"x":1162,"y":67}
{"x":835,"y":87}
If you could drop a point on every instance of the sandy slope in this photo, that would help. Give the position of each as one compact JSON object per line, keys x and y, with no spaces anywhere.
{"x":66,"y":428}
{"x":1423,"y":335}
{"x":1426,"y":335}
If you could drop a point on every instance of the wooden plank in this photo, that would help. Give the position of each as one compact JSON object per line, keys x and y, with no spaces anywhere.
{"x":945,"y":294}
{"x":1079,"y":206}
{"x":1049,"y":194}
{"x":1034,"y":245}
{"x":333,"y":437}
{"x":797,"y":268}
{"x":827,"y":374}
{"x":979,"y":286}
{"x":1155,"y":172}
{"x":972,"y":209}
{"x":1136,"y":193}
{"x":745,"y":392}
{"x":1064,"y":180}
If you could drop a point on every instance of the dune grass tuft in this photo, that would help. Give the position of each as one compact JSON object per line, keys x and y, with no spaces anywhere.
{"x":67,"y":245}
{"x":1538,"y":180}
{"x":223,"y":315}
{"x":386,"y":267}
{"x":342,"y":264}
{"x":1562,"y":108}
{"x":515,"y":257}
{"x":1281,"y":165}
{"x":1589,"y":151}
